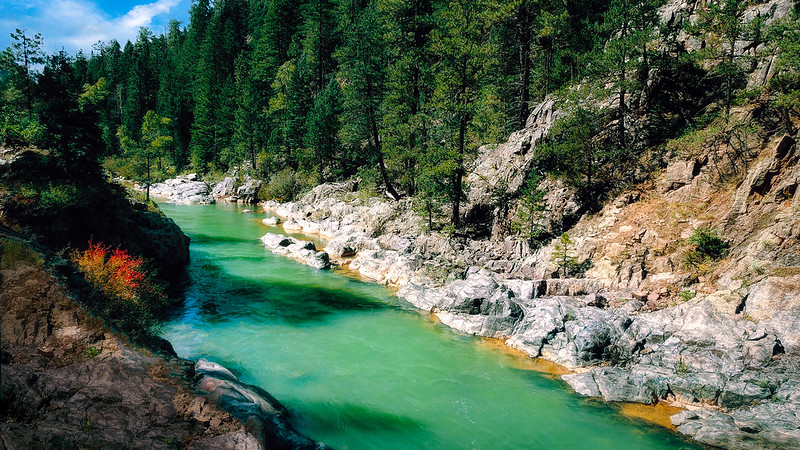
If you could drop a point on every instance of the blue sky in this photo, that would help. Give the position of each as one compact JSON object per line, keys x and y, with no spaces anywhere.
{"x":79,"y":24}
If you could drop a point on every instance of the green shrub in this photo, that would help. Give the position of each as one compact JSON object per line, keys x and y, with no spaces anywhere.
{"x":17,"y":130}
{"x":705,"y":247}
{"x":57,"y":196}
{"x":686,"y":295}
{"x":708,"y":243}
{"x":13,"y":253}
{"x":283,"y":187}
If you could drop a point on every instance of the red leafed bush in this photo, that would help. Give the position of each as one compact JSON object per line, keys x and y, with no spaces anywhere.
{"x":116,"y":273}
{"x":132,"y":294}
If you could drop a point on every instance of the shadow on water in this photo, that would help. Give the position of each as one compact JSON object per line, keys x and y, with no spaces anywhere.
{"x":201,"y":238}
{"x":348,"y":416}
{"x":218,"y":295}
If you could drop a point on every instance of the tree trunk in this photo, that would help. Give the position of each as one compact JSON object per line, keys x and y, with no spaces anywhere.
{"x":458,"y":176}
{"x":376,"y":144}
{"x":524,"y":61}
{"x":147,"y":182}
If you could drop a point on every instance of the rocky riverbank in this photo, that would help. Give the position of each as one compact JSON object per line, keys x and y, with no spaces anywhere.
{"x":729,"y":355}
{"x":69,"y":381}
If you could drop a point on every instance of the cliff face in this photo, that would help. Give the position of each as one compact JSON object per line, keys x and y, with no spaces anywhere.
{"x":69,"y":381}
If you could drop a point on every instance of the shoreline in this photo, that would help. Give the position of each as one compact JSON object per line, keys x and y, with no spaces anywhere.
{"x":662,"y":355}
{"x":657,"y":414}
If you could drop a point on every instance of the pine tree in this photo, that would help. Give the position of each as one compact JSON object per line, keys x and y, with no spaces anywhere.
{"x":576,"y":151}
{"x":563,"y":256}
{"x":322,"y":130}
{"x":460,"y":43}
{"x":722,"y":23}
{"x":531,"y":210}
{"x":25,"y":52}
{"x":408,"y":25}
{"x":155,"y":142}
{"x":69,"y":130}
{"x":630,"y":26}
{"x":363,"y":65}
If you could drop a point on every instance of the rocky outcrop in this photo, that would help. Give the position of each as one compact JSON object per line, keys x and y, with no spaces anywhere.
{"x":184,"y":189}
{"x":225,"y":189}
{"x":232,"y":189}
{"x":504,"y":168}
{"x":156,"y":237}
{"x":262,"y":415}
{"x":70,"y":382}
{"x":304,"y":251}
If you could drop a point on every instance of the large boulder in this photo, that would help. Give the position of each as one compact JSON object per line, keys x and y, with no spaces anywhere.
{"x":183,"y":190}
{"x":156,"y":237}
{"x":224,"y":189}
{"x":265,"y":416}
{"x":303,"y":251}
{"x":248,"y":192}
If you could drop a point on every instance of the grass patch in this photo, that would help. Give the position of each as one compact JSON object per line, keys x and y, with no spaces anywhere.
{"x":12,"y":254}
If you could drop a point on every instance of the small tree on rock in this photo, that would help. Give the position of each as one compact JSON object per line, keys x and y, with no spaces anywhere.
{"x":155,"y":142}
{"x":563,"y":254}
{"x":531,"y":211}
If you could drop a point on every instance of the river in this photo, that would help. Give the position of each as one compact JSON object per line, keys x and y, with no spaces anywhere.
{"x":361,"y":370}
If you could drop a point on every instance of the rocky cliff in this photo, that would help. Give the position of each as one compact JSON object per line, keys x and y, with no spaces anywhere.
{"x":69,"y":381}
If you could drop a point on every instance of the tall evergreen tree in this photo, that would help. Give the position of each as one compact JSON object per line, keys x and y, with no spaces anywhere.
{"x":408,"y":26}
{"x":627,"y":28}
{"x":70,"y":131}
{"x":461,"y":44}
{"x":363,"y":65}
{"x":20,"y":59}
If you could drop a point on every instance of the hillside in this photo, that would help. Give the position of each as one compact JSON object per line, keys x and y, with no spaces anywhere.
{"x":611,"y":186}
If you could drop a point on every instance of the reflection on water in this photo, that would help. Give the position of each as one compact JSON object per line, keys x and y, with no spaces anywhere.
{"x":360,"y":370}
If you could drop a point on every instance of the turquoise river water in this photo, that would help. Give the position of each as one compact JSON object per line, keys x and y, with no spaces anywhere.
{"x":361,"y":370}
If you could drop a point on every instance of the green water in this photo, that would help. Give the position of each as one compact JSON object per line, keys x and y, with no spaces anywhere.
{"x":360,"y":370}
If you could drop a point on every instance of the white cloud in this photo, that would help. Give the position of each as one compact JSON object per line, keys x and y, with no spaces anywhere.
{"x":79,"y":24}
{"x":142,"y":15}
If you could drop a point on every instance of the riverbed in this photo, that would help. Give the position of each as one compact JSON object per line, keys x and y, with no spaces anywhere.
{"x":358,"y":368}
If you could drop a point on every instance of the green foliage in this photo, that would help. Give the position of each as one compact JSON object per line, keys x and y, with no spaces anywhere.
{"x":283,"y":186}
{"x":705,"y":248}
{"x":708,"y":243}
{"x":92,"y":352}
{"x":13,"y":254}
{"x":687,"y":295}
{"x":153,"y":145}
{"x":563,"y":255}
{"x":19,"y":130}
{"x":694,"y":141}
{"x":531,"y":211}
{"x":20,"y":61}
{"x":784,"y":37}
{"x":721,"y":24}
{"x":576,"y":151}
